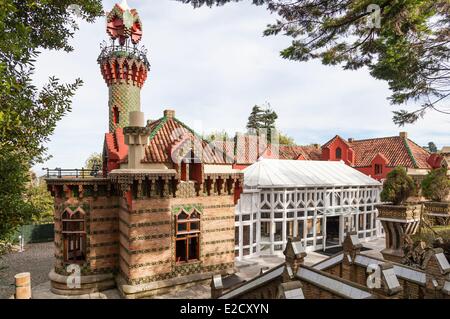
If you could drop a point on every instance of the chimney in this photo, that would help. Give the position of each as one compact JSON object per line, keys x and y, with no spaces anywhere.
{"x":404,"y":134}
{"x":351,"y":140}
{"x":169,"y":114}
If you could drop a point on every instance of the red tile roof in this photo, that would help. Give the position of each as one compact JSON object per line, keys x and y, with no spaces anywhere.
{"x":308,"y":153}
{"x":399,"y":151}
{"x":168,"y":133}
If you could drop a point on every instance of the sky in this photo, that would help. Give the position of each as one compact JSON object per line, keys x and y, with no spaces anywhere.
{"x":212,"y":65}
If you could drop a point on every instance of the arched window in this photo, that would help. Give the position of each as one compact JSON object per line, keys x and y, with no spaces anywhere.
{"x":187,"y":237}
{"x":74,"y":236}
{"x":338,"y":153}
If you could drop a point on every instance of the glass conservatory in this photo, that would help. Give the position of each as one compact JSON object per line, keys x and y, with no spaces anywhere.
{"x":318,"y":201}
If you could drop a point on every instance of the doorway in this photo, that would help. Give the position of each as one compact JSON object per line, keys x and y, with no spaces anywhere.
{"x":332,"y":229}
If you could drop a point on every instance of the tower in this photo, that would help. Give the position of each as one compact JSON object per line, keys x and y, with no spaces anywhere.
{"x":123,"y":64}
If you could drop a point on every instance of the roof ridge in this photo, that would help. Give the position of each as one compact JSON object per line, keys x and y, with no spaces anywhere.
{"x":375,"y":138}
{"x":409,"y":151}
{"x":163,"y":121}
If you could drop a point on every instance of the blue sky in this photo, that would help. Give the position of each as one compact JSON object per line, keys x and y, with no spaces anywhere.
{"x":212,"y":66}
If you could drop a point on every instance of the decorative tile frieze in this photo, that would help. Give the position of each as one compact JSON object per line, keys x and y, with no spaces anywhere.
{"x":144,"y":251}
{"x":139,"y":225}
{"x":188,"y":208}
{"x":215,"y":242}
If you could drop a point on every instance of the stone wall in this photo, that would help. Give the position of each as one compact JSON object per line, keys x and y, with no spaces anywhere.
{"x":147,"y":238}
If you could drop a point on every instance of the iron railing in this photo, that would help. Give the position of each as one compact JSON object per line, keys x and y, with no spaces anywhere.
{"x":139,"y":53}
{"x":73,"y":173}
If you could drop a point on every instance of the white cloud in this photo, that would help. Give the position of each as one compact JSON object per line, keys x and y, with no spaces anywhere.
{"x":212,"y":66}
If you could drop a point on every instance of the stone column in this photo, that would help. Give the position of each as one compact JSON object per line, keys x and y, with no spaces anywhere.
{"x":136,"y":137}
{"x":399,"y":222}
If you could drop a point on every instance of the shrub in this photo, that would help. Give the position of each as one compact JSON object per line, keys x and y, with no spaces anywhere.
{"x":398,"y":186}
{"x":436,"y":185}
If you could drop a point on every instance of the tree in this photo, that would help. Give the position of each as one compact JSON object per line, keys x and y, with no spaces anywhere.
{"x":14,"y":209}
{"x":42,"y":202}
{"x":436,"y":185}
{"x":398,"y":187}
{"x":28,"y":116}
{"x":94,"y":161}
{"x":405,"y":43}
{"x":286,"y":140}
{"x":216,"y":136}
{"x":262,"y":119}
{"x":255,"y":118}
{"x":268,"y":121}
{"x":432,"y":147}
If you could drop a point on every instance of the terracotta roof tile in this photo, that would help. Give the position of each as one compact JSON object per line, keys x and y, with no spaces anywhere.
{"x":169,"y":133}
{"x":309,"y":153}
{"x":398,"y":151}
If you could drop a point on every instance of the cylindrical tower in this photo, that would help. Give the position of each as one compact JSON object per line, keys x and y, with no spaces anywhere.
{"x":124,"y":66}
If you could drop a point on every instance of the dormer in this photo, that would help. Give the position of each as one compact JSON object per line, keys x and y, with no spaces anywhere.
{"x":379,"y":163}
{"x":338,"y":149}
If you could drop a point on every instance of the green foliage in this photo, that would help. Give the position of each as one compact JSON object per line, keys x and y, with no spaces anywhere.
{"x":216,"y":136}
{"x":94,"y":161}
{"x":28,"y":115}
{"x":262,"y":120}
{"x":409,"y":48}
{"x":436,"y":185}
{"x":42,"y":202}
{"x":14,"y":210}
{"x":286,"y":140}
{"x":432,"y":147}
{"x":255,"y":119}
{"x":398,"y":187}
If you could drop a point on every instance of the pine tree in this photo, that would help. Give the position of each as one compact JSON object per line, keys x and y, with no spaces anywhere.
{"x":255,"y":119}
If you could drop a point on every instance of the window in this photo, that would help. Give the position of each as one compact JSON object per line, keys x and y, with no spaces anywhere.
{"x":338,"y":153}
{"x":74,"y":236}
{"x":116,"y":115}
{"x":300,"y":230}
{"x":378,"y":169}
{"x":187,"y":241}
{"x":309,"y":228}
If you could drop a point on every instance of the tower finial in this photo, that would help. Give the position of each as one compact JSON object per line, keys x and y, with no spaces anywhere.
{"x":124,"y":5}
{"x":124,"y":24}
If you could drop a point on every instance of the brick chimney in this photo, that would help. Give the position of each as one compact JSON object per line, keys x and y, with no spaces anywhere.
{"x":169,"y":114}
{"x":404,"y":134}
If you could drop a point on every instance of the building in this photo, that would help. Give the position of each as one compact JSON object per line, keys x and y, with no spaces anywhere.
{"x":346,"y":275}
{"x":376,"y":157}
{"x":317,"y":201}
{"x":161,"y":216}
